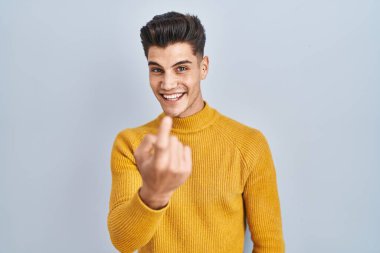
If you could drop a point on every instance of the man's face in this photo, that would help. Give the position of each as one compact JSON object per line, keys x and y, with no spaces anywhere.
{"x":176,"y":72}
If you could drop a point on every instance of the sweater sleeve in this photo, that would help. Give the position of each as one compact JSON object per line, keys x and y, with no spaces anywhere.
{"x":131,"y":223}
{"x":262,"y":202}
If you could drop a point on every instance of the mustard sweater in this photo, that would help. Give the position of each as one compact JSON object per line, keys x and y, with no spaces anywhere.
{"x":233,"y":177}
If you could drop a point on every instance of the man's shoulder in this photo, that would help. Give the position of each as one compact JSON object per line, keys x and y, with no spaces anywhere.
{"x":248,"y":139}
{"x":237,"y":129}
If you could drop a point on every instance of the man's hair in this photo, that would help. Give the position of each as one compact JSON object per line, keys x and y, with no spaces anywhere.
{"x":172,"y":27}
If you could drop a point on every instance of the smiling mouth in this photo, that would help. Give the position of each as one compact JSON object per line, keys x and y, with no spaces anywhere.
{"x":173,"y":97}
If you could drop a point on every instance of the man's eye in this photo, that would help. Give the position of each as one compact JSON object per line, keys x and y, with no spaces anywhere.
{"x":181,"y":68}
{"x":156,"y":70}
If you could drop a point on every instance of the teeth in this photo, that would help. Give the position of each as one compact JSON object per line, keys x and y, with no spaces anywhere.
{"x":173,"y":96}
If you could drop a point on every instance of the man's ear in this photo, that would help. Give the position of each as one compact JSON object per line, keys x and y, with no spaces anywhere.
{"x":204,"y":67}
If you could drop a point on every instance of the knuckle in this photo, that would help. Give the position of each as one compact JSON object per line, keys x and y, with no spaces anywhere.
{"x":172,"y":168}
{"x":173,"y":138}
{"x":159,"y":146}
{"x":147,"y":137}
{"x":158,"y":165}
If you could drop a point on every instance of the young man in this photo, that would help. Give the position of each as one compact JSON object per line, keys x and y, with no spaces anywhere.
{"x":187,"y":180}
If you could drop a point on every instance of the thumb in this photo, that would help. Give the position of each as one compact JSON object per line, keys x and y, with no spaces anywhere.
{"x":146,"y":145}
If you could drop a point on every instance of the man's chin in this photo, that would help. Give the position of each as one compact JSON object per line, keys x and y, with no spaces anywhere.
{"x":173,"y":114}
{"x":173,"y":111}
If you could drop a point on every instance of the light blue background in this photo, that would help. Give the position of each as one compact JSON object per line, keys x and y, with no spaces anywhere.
{"x":73,"y":74}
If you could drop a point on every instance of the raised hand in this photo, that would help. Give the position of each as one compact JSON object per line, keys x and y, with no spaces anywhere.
{"x":164,"y":164}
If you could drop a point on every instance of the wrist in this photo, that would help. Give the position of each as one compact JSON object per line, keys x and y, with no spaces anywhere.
{"x":152,"y":199}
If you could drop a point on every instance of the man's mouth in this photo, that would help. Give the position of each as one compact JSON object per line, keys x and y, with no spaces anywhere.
{"x":173,"y":97}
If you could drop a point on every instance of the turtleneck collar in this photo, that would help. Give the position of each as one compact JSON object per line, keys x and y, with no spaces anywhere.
{"x":195,"y":122}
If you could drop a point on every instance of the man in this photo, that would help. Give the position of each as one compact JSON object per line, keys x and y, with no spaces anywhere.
{"x":186,"y":181}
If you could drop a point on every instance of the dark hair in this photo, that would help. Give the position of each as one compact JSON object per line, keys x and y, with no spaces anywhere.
{"x":171,"y":27}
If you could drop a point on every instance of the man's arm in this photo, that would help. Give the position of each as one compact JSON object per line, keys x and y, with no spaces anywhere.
{"x":131,"y":221}
{"x":262,"y":203}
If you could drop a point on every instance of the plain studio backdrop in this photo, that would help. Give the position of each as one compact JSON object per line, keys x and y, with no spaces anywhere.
{"x":73,"y":74}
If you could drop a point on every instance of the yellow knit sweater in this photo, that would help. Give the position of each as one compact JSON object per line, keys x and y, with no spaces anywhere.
{"x":233,"y":178}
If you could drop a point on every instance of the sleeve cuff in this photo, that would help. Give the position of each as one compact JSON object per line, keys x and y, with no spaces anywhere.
{"x":136,"y":200}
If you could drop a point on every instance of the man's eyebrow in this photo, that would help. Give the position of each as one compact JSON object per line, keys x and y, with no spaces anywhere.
{"x":178,"y":63}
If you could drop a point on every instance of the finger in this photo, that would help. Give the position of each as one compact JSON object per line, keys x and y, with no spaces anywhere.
{"x":163,"y":134}
{"x":173,"y":153}
{"x":180,"y":156}
{"x":187,"y":158}
{"x":146,"y":144}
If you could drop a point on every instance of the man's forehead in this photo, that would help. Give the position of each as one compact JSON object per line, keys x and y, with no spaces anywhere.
{"x":171,"y":54}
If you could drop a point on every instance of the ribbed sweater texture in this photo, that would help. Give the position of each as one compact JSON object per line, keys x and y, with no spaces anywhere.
{"x":233,"y":179}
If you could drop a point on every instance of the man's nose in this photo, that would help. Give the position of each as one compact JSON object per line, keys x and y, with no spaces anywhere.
{"x":169,"y":82}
